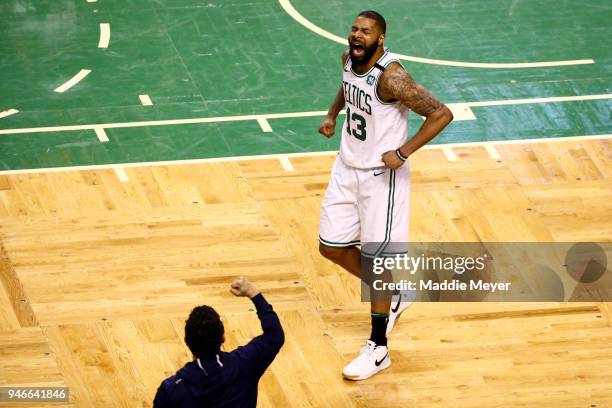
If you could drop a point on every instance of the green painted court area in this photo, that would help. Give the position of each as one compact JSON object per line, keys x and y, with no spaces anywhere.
{"x":210,"y":59}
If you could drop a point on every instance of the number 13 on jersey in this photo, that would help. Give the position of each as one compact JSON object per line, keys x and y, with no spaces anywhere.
{"x":358,"y":130}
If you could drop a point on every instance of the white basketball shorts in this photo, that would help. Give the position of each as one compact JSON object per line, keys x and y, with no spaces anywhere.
{"x":365,"y":207}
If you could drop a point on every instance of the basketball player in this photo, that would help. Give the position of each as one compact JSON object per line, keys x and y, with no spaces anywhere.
{"x":368,"y":197}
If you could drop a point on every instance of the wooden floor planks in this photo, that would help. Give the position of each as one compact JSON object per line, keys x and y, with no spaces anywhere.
{"x":98,"y":276}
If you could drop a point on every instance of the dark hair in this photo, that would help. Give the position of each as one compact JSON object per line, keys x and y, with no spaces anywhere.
{"x":374,"y":15}
{"x":204,"y":332}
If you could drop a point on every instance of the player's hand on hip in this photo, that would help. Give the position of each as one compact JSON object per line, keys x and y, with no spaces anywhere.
{"x":391,"y":160}
{"x":242,"y":287}
{"x":328,"y":127}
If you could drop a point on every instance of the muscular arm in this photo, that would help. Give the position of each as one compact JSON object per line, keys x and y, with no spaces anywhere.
{"x":339,"y":101}
{"x":397,"y":84}
{"x":337,"y":105}
{"x":328,"y":126}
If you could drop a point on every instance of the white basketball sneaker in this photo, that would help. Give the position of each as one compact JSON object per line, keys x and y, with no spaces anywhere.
{"x":399,"y":303}
{"x":371,"y":359}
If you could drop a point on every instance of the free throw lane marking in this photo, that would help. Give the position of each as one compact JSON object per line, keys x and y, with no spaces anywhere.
{"x":104,"y":35}
{"x":73,"y":81}
{"x":288,"y":7}
{"x":493,"y":151}
{"x":101,"y":134}
{"x":145,"y":100}
{"x":450,"y":155}
{"x":286,"y":163}
{"x":265,"y":125}
{"x":281,"y":115}
{"x":289,"y":155}
{"x":9,"y":112}
{"x":121,"y":174}
{"x":461,"y":111}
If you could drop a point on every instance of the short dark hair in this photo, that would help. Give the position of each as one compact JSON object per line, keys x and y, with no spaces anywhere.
{"x":204,"y":332}
{"x":376,"y":16}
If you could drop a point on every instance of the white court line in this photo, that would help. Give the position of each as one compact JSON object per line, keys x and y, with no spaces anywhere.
{"x":286,"y":163}
{"x":288,"y":7}
{"x":164,"y":122}
{"x":539,"y":100}
{"x":450,"y":155}
{"x":104,"y":35}
{"x":493,"y":151}
{"x":145,"y":100}
{"x":279,"y":115}
{"x":265,"y":125}
{"x":290,"y":155}
{"x":9,"y":112}
{"x":101,"y":134}
{"x":121,"y":174}
{"x":461,"y":112}
{"x":73,"y":81}
{"x":91,"y":1}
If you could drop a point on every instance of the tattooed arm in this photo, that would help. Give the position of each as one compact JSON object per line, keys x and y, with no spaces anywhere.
{"x":397,"y":84}
{"x":328,"y":127}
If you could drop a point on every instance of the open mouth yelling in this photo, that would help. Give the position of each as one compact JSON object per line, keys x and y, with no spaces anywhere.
{"x":357,"y":50}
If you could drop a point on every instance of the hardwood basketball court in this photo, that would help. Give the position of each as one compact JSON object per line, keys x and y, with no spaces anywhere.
{"x":151,"y":151}
{"x":99,"y":276}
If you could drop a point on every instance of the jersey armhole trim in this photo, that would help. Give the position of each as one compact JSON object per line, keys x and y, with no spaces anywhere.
{"x":346,"y":63}
{"x":378,"y":97}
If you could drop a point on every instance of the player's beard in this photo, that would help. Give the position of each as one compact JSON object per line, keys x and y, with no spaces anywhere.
{"x":367,"y":55}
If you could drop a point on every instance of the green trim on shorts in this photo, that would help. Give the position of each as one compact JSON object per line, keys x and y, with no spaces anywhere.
{"x":383,"y":254}
{"x":390,"y":205}
{"x":338,"y":244}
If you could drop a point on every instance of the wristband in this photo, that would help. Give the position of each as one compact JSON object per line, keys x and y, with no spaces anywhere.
{"x":400,"y":155}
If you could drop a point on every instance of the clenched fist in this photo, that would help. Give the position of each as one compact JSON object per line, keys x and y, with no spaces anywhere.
{"x":328,"y":127}
{"x":242,"y":287}
{"x":391,"y":160}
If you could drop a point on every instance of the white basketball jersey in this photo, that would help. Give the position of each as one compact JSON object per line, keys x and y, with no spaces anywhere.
{"x":372,"y":126}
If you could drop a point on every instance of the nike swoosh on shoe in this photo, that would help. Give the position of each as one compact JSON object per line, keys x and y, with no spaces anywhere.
{"x":377,"y":363}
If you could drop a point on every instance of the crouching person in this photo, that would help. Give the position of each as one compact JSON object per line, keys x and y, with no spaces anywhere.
{"x":216,"y":378}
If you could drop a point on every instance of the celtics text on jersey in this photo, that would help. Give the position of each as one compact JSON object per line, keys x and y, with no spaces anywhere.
{"x":372,"y":126}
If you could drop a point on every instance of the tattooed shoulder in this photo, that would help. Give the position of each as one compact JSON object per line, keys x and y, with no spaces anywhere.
{"x":397,"y":83}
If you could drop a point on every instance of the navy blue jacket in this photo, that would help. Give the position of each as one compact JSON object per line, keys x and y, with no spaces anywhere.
{"x":228,"y":379}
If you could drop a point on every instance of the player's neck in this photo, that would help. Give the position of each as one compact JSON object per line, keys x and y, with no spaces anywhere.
{"x":366,"y":66}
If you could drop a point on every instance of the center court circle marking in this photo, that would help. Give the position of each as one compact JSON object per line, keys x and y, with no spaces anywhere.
{"x":288,"y":7}
{"x":9,"y":112}
{"x":104,"y":35}
{"x":73,"y":81}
